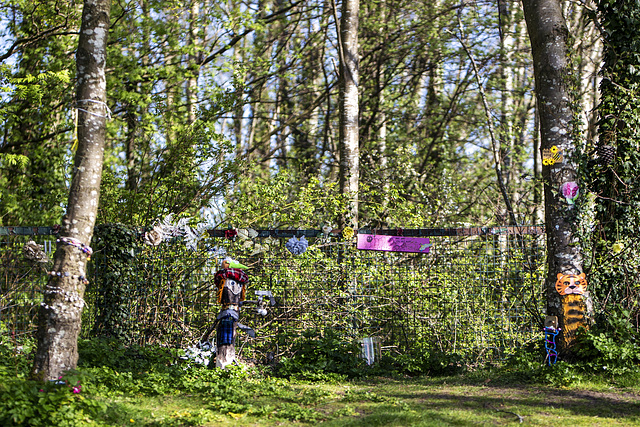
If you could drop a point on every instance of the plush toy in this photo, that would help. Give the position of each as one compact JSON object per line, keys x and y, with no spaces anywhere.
{"x":297,"y":246}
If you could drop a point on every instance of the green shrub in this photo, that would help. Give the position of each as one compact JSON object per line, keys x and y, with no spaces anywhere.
{"x":55,"y":403}
{"x":316,"y":354}
{"x":112,"y":353}
{"x":611,"y":345}
{"x":421,"y":360}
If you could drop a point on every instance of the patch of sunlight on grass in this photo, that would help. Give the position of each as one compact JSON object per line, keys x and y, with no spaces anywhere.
{"x":386,"y":402}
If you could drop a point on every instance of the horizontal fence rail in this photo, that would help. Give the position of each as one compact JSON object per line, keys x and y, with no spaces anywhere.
{"x":478,"y":292}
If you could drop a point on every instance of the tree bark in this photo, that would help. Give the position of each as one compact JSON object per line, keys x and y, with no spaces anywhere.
{"x":60,"y":313}
{"x":349,"y":108}
{"x":549,"y":43}
{"x":191,"y":92}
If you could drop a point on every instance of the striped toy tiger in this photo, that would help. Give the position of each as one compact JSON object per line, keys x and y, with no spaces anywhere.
{"x":572,"y":287}
{"x":571,"y":284}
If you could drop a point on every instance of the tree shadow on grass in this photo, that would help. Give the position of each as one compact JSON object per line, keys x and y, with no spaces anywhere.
{"x":389,"y":415}
{"x":536,"y":399}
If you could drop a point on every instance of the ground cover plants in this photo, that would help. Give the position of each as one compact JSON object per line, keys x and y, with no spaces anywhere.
{"x":118,"y":385}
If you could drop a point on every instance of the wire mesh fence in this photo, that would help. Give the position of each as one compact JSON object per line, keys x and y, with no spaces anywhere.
{"x":22,"y":279}
{"x":476,"y":294}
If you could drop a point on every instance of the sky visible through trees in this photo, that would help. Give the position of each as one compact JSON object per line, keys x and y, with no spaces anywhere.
{"x":200,"y":91}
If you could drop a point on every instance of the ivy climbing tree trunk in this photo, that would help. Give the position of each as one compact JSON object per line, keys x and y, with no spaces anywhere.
{"x":61,"y":311}
{"x":615,"y":177}
{"x":549,"y":43}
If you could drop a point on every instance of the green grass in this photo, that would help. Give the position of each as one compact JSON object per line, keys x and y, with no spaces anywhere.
{"x":152,"y":387}
{"x":446,"y":401}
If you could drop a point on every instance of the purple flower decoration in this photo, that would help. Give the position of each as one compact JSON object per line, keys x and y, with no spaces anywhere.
{"x":297,"y":247}
{"x":570,"y":191}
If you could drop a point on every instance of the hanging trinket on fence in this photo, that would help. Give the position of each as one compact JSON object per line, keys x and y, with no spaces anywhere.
{"x":297,"y":246}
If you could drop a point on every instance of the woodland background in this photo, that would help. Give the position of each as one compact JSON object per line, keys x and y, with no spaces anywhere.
{"x":233,"y":107}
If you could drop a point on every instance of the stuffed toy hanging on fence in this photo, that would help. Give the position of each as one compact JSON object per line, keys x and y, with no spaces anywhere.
{"x":297,"y":246}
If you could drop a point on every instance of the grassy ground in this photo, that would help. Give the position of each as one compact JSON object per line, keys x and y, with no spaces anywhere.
{"x":450,"y":401}
{"x":151,"y":387}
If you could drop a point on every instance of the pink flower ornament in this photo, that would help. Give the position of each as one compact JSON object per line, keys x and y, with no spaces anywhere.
{"x":570,"y":191}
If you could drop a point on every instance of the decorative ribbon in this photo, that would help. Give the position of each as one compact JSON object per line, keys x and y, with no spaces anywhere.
{"x":73,"y":276}
{"x":107,"y":116}
{"x":77,"y":243}
{"x":70,"y":296}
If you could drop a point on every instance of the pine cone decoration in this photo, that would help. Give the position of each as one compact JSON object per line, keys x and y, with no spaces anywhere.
{"x":606,"y":154}
{"x":33,"y":252}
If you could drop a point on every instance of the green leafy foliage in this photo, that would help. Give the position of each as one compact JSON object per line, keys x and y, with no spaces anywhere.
{"x":611,"y":345}
{"x":274,"y":201}
{"x":322,"y":352}
{"x":425,"y":360}
{"x":182,"y":178}
{"x":150,"y":386}
{"x":62,"y":403}
{"x":606,"y":353}
{"x":37,"y":113}
{"x":615,"y":268}
{"x":30,"y":87}
{"x":115,"y":247}
{"x":113,"y":353}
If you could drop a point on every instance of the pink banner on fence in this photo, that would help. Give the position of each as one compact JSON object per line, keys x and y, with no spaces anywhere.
{"x":374,"y":242}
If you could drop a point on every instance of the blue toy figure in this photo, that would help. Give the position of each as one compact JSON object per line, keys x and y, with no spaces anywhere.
{"x":550,"y":334}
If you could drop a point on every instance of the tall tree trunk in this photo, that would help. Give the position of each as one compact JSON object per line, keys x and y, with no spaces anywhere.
{"x":549,"y":36}
{"x":191,"y":91}
{"x":134,"y":114}
{"x":60,"y":313}
{"x":349,"y":109}
{"x":587,"y":47}
{"x":538,"y":214}
{"x":506,"y":146}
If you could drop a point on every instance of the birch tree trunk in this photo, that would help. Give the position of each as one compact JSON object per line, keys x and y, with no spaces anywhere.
{"x":349,"y":109}
{"x":191,"y":91}
{"x":60,"y":313}
{"x":549,"y":43}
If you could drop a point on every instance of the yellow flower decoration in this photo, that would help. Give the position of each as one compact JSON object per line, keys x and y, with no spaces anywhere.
{"x":554,"y":149}
{"x":347,"y":233}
